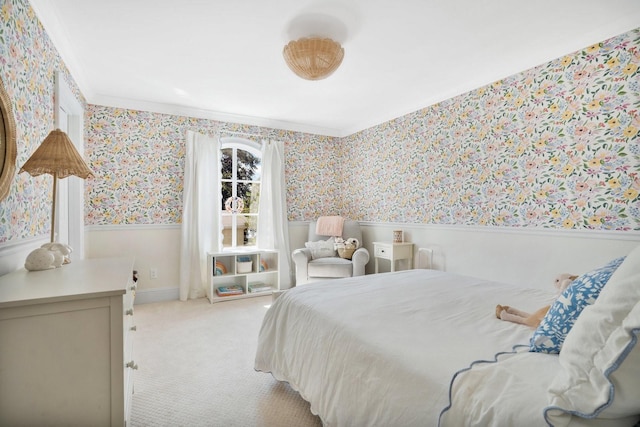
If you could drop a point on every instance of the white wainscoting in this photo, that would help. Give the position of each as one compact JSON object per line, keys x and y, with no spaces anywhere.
{"x":14,"y":254}
{"x":525,"y":257}
{"x":154,"y":247}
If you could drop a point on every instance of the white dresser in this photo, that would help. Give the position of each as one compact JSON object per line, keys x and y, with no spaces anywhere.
{"x":66,"y":347}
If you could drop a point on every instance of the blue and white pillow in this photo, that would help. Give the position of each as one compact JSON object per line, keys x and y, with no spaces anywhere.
{"x":597,"y":377}
{"x":564,"y":312}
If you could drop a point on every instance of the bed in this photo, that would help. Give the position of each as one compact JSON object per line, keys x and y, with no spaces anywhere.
{"x":424,"y":348}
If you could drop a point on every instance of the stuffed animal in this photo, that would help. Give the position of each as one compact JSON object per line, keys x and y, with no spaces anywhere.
{"x":510,"y":314}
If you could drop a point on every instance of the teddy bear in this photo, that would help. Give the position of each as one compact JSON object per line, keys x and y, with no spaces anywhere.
{"x":510,"y":314}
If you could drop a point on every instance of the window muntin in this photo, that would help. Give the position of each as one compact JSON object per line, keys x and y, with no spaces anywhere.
{"x":241,"y":170}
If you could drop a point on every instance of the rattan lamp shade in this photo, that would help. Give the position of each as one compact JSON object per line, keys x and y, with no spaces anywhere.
{"x":313,"y":58}
{"x":58,"y":157}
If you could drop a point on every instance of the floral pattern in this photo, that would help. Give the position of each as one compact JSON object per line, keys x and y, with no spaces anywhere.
{"x":138,"y":158}
{"x":28,"y":62}
{"x":556,"y":146}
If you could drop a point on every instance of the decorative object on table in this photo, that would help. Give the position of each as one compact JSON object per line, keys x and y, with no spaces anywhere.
{"x":398,"y":236}
{"x":50,"y":255}
{"x":40,"y":259}
{"x":346,"y":248}
{"x":220,"y":269}
{"x":58,"y":157}
{"x":244,"y":264}
{"x":60,"y":251}
{"x":313,"y":58}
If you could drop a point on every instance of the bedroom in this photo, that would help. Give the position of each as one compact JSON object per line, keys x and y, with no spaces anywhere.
{"x":376,"y":174}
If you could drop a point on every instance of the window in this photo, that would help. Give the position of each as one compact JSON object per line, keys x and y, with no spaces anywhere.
{"x":241,"y":172}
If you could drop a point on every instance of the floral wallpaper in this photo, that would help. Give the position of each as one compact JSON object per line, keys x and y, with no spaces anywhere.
{"x":28,"y":62}
{"x":138,"y":158}
{"x":556,"y":146}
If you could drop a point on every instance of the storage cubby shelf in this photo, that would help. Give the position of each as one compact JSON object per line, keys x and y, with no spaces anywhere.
{"x":242,"y":274}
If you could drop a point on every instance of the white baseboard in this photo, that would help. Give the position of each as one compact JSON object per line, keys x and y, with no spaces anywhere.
{"x":146,"y":296}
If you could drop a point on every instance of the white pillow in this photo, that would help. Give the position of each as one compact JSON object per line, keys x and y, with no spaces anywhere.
{"x":322,"y":248}
{"x":599,"y":377}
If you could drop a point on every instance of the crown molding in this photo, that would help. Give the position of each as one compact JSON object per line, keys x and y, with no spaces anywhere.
{"x":181,"y":110}
{"x":48,"y":17}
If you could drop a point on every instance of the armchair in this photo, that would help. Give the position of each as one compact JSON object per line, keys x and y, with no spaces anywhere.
{"x":311,"y":270}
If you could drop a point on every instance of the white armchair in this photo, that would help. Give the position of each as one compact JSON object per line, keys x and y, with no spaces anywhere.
{"x":311,"y":270}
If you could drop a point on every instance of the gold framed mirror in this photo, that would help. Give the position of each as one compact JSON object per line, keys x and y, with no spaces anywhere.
{"x":7,"y":143}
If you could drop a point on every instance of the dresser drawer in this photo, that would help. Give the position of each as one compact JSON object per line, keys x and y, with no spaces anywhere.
{"x":129,"y":330}
{"x":383,"y":251}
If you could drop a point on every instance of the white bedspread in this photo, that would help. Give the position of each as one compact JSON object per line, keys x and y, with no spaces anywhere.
{"x":380,"y":350}
{"x":512,"y":392}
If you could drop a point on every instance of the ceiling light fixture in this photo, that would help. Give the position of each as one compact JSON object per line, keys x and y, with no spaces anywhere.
{"x":313,"y":58}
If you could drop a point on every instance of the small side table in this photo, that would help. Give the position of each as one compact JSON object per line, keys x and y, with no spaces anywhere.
{"x":393,"y":252}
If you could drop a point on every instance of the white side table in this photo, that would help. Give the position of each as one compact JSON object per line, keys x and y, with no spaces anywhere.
{"x":393,"y":252}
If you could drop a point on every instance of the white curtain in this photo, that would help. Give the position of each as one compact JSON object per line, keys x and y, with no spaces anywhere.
{"x":273,"y":229}
{"x":201,"y":207}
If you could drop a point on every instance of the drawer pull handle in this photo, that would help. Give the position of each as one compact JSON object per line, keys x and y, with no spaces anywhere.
{"x":132,"y":365}
{"x":129,"y":312}
{"x":133,"y":328}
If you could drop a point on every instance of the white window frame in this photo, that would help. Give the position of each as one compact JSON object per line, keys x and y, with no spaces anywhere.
{"x":255,"y":148}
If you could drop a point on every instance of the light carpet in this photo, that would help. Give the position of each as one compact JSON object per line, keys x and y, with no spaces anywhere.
{"x":196,"y":368}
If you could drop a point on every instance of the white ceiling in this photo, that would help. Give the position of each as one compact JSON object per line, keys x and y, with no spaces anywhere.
{"x":222,"y":59}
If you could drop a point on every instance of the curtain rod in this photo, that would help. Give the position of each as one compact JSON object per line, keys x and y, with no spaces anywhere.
{"x":241,"y":133}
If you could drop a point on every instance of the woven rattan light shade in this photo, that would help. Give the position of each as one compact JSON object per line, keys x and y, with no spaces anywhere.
{"x":57,"y":156}
{"x":313,"y":58}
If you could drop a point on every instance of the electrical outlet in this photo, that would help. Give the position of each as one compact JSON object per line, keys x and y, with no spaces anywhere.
{"x":153,"y":273}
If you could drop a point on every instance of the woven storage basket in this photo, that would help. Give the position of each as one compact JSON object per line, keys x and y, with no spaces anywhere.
{"x":346,"y":253}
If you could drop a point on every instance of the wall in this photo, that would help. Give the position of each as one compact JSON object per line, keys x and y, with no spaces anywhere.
{"x":520,"y":256}
{"x":28,"y":62}
{"x":549,"y":148}
{"x":554,"y":147}
{"x":138,"y":157}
